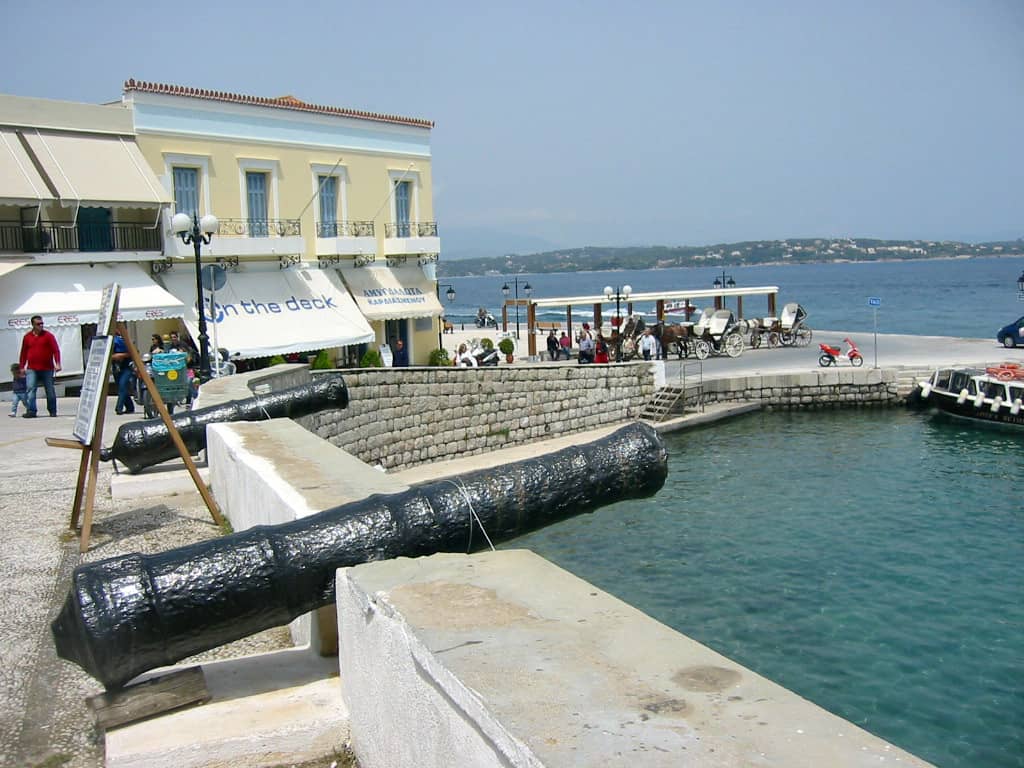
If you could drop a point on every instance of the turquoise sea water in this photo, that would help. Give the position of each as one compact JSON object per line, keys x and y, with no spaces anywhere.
{"x":870,"y":560}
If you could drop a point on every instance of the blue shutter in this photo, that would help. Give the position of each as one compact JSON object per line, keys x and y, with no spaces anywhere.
{"x":256,"y":191}
{"x":186,"y":190}
{"x":402,"y":208}
{"x":328,"y":206}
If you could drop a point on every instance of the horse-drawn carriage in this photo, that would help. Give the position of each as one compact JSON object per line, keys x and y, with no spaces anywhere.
{"x":715,"y":332}
{"x":788,"y":330}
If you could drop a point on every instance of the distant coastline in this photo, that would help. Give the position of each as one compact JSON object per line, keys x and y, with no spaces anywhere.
{"x":732,"y":255}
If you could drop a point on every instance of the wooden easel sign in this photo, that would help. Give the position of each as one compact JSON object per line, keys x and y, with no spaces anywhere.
{"x":88,"y":430}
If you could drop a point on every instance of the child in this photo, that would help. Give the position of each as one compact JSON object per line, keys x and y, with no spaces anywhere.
{"x":19,"y":388}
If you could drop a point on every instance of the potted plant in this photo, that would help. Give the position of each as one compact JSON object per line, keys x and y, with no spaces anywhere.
{"x":507,"y":347}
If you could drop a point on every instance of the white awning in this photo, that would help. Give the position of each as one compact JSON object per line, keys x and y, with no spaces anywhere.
{"x":96,"y":170}
{"x":20,"y":182}
{"x":385,"y":293}
{"x":258,"y":314}
{"x":69,"y":295}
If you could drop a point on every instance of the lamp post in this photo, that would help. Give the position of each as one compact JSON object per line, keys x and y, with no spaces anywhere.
{"x":620,"y":295}
{"x":195,"y":231}
{"x":527,"y":289}
{"x":450,"y":295}
{"x":725,"y":281}
{"x":1020,"y":287}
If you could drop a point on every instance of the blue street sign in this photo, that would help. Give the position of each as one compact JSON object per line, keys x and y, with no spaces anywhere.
{"x":874,"y":301}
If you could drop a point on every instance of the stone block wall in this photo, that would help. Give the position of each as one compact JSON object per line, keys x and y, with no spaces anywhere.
{"x":403,"y":417}
{"x":815,"y":389}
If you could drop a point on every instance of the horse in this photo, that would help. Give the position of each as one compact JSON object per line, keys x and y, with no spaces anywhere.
{"x":449,"y":327}
{"x":624,"y":342}
{"x":668,"y":335}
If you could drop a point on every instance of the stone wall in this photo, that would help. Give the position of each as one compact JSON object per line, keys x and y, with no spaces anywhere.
{"x":815,"y":389}
{"x":403,"y":417}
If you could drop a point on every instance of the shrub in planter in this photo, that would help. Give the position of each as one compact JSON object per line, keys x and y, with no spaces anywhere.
{"x":371,"y":359}
{"x":486,"y":344}
{"x":322,"y":362}
{"x":277,"y":360}
{"x":439,"y":357}
{"x":507,"y":347}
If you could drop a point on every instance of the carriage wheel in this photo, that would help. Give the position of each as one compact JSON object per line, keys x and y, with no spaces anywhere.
{"x":774,"y":340}
{"x":702,"y":349}
{"x":786,"y":338}
{"x":733,"y":345}
{"x":803,"y":337}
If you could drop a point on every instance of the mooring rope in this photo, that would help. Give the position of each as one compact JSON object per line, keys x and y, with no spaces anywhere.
{"x":472,"y":516}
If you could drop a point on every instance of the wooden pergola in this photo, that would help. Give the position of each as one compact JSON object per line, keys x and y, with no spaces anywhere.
{"x":690,"y":298}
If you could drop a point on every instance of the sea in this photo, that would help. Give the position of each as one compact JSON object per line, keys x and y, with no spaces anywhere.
{"x":970,"y":298}
{"x":870,"y":560}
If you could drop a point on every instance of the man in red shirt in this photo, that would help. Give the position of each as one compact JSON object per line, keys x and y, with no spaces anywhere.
{"x":40,"y":359}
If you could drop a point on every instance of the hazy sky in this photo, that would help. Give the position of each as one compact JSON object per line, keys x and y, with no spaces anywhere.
{"x":598,"y":123}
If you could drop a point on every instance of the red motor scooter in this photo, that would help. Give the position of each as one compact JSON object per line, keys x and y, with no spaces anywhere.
{"x":832,"y":355}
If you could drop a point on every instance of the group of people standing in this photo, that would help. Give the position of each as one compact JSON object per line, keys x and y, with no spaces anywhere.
{"x":40,"y":361}
{"x":595,"y":349}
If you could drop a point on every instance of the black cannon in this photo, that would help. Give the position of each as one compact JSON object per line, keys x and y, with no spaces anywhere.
{"x":141,"y":444}
{"x":129,"y":614}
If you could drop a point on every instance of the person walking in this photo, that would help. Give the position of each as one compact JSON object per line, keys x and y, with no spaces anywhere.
{"x":40,"y":360}
{"x":649,"y":345}
{"x":19,"y":388}
{"x":566,"y":344}
{"x":553,"y":347}
{"x":121,"y":362}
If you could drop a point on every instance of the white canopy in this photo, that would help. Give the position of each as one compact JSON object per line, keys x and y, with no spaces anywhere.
{"x":391,"y":293}
{"x":96,"y":170}
{"x":258,"y":314}
{"x":69,"y":294}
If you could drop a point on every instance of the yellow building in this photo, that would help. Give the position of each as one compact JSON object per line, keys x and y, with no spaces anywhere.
{"x":310,"y":201}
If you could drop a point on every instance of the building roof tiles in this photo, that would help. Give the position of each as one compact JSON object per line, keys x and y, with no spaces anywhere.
{"x":278,"y":102}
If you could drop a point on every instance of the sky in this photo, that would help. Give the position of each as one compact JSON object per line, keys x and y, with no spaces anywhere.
{"x":566,"y":124}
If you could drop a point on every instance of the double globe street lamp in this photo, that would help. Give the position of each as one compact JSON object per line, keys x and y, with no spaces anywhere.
{"x":197,"y":231}
{"x":527,"y":289}
{"x":620,"y":295}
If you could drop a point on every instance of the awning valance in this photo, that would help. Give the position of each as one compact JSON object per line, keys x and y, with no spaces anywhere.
{"x":391,"y":293}
{"x":96,"y":170}
{"x":258,"y":314}
{"x":20,"y":182}
{"x":69,"y":294}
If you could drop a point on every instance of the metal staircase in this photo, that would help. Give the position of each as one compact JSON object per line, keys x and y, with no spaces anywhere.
{"x":673,"y":399}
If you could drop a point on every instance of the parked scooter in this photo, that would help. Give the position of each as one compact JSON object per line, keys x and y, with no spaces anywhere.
{"x":832,"y":355}
{"x":485,"y":319}
{"x":475,"y":356}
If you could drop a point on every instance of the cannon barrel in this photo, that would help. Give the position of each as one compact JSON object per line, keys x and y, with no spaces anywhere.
{"x":140,"y":444}
{"x":126,"y":615}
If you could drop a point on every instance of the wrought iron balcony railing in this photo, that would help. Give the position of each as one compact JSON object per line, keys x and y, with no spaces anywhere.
{"x":49,"y":237}
{"x":411,"y":229}
{"x":259,"y":228}
{"x":344,"y":229}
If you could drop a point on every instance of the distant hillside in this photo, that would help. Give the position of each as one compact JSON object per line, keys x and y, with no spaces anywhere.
{"x":596,"y":258}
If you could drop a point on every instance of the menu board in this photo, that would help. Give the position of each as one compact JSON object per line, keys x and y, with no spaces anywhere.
{"x":93,"y":384}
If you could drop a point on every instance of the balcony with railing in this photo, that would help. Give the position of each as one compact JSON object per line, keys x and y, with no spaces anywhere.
{"x":248,"y":237}
{"x":406,"y":237}
{"x":345,"y":238}
{"x":51,"y":237}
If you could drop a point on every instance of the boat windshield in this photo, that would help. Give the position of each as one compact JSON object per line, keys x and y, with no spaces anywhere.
{"x":942,"y":379}
{"x":995,"y":389}
{"x":1016,"y":393}
{"x":962,"y":380}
